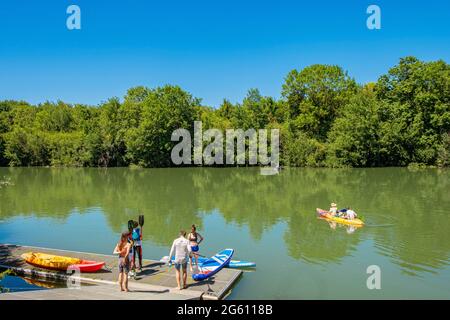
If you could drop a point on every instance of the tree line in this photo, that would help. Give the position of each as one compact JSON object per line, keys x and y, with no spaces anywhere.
{"x":325,"y":118}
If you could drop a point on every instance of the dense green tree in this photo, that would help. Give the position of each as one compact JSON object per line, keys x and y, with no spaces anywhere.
{"x":4,"y":127}
{"x":324,"y":117}
{"x":24,"y":147}
{"x":418,"y":96}
{"x":354,"y":136}
{"x":164,"y":110}
{"x":112,"y":145}
{"x":227,"y":111}
{"x":54,"y":117}
{"x":314,"y":97}
{"x":443,"y":159}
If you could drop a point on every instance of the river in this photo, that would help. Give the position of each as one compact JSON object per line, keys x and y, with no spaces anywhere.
{"x":268,"y":219}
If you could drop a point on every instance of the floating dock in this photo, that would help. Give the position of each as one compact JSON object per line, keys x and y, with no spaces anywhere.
{"x":156,"y":281}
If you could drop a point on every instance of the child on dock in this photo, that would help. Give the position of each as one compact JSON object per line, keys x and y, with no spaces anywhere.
{"x":123,"y":250}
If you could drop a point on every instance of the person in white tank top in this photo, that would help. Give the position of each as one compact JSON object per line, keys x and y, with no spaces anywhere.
{"x":181,"y":249}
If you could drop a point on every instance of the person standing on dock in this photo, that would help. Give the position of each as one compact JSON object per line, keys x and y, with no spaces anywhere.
{"x":132,"y":272}
{"x":194,"y":238}
{"x":136,"y":236}
{"x":182,"y":249}
{"x":123,"y":250}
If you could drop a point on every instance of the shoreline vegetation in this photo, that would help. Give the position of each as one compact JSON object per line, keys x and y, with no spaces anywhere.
{"x":325,"y":119}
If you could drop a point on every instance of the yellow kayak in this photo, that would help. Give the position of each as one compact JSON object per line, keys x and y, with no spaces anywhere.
{"x":49,"y":261}
{"x":326,"y":215}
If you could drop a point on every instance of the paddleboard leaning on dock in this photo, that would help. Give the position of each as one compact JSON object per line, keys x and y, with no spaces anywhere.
{"x":233,"y":264}
{"x":213,"y":265}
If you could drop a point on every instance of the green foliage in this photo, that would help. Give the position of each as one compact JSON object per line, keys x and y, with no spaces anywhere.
{"x":324,"y":116}
{"x":163,"y":110}
{"x":302,"y":151}
{"x":443,"y":159}
{"x":418,"y":97}
{"x":315,"y":96}
{"x":354,"y":136}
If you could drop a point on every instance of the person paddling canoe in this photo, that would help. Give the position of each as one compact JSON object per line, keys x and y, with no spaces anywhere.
{"x":333,"y":209}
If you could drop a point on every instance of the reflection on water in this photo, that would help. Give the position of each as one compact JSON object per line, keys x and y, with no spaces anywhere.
{"x":14,"y":283}
{"x":407,"y":215}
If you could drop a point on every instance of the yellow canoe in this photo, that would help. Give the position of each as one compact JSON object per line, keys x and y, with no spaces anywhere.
{"x":326,"y":215}
{"x":49,"y":261}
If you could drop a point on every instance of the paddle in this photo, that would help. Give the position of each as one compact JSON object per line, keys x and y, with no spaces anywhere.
{"x":165,"y":259}
{"x":200,"y":255}
{"x":141,"y":220}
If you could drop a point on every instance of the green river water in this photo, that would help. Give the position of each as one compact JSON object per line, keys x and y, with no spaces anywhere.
{"x":267,"y":219}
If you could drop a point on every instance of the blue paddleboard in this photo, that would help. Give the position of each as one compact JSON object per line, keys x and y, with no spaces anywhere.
{"x":213,"y":265}
{"x":233,"y":264}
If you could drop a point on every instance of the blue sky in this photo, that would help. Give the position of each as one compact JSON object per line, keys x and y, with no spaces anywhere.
{"x":213,"y":49}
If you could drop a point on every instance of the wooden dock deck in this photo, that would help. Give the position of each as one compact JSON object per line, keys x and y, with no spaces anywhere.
{"x":156,"y":281}
{"x":98,"y":292}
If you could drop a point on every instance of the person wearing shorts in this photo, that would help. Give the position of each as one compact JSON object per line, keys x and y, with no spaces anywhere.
{"x":181,"y":266}
{"x":124,"y":265}
{"x":123,"y":250}
{"x":181,"y":249}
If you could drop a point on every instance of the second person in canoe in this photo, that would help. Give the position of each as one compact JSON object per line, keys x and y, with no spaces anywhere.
{"x":350,"y":214}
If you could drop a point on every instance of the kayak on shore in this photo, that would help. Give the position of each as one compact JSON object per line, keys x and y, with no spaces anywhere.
{"x":52,"y":262}
{"x":328,"y":216}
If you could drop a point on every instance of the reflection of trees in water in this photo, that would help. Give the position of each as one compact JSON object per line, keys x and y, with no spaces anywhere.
{"x":171,"y":199}
{"x":166,"y":198}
